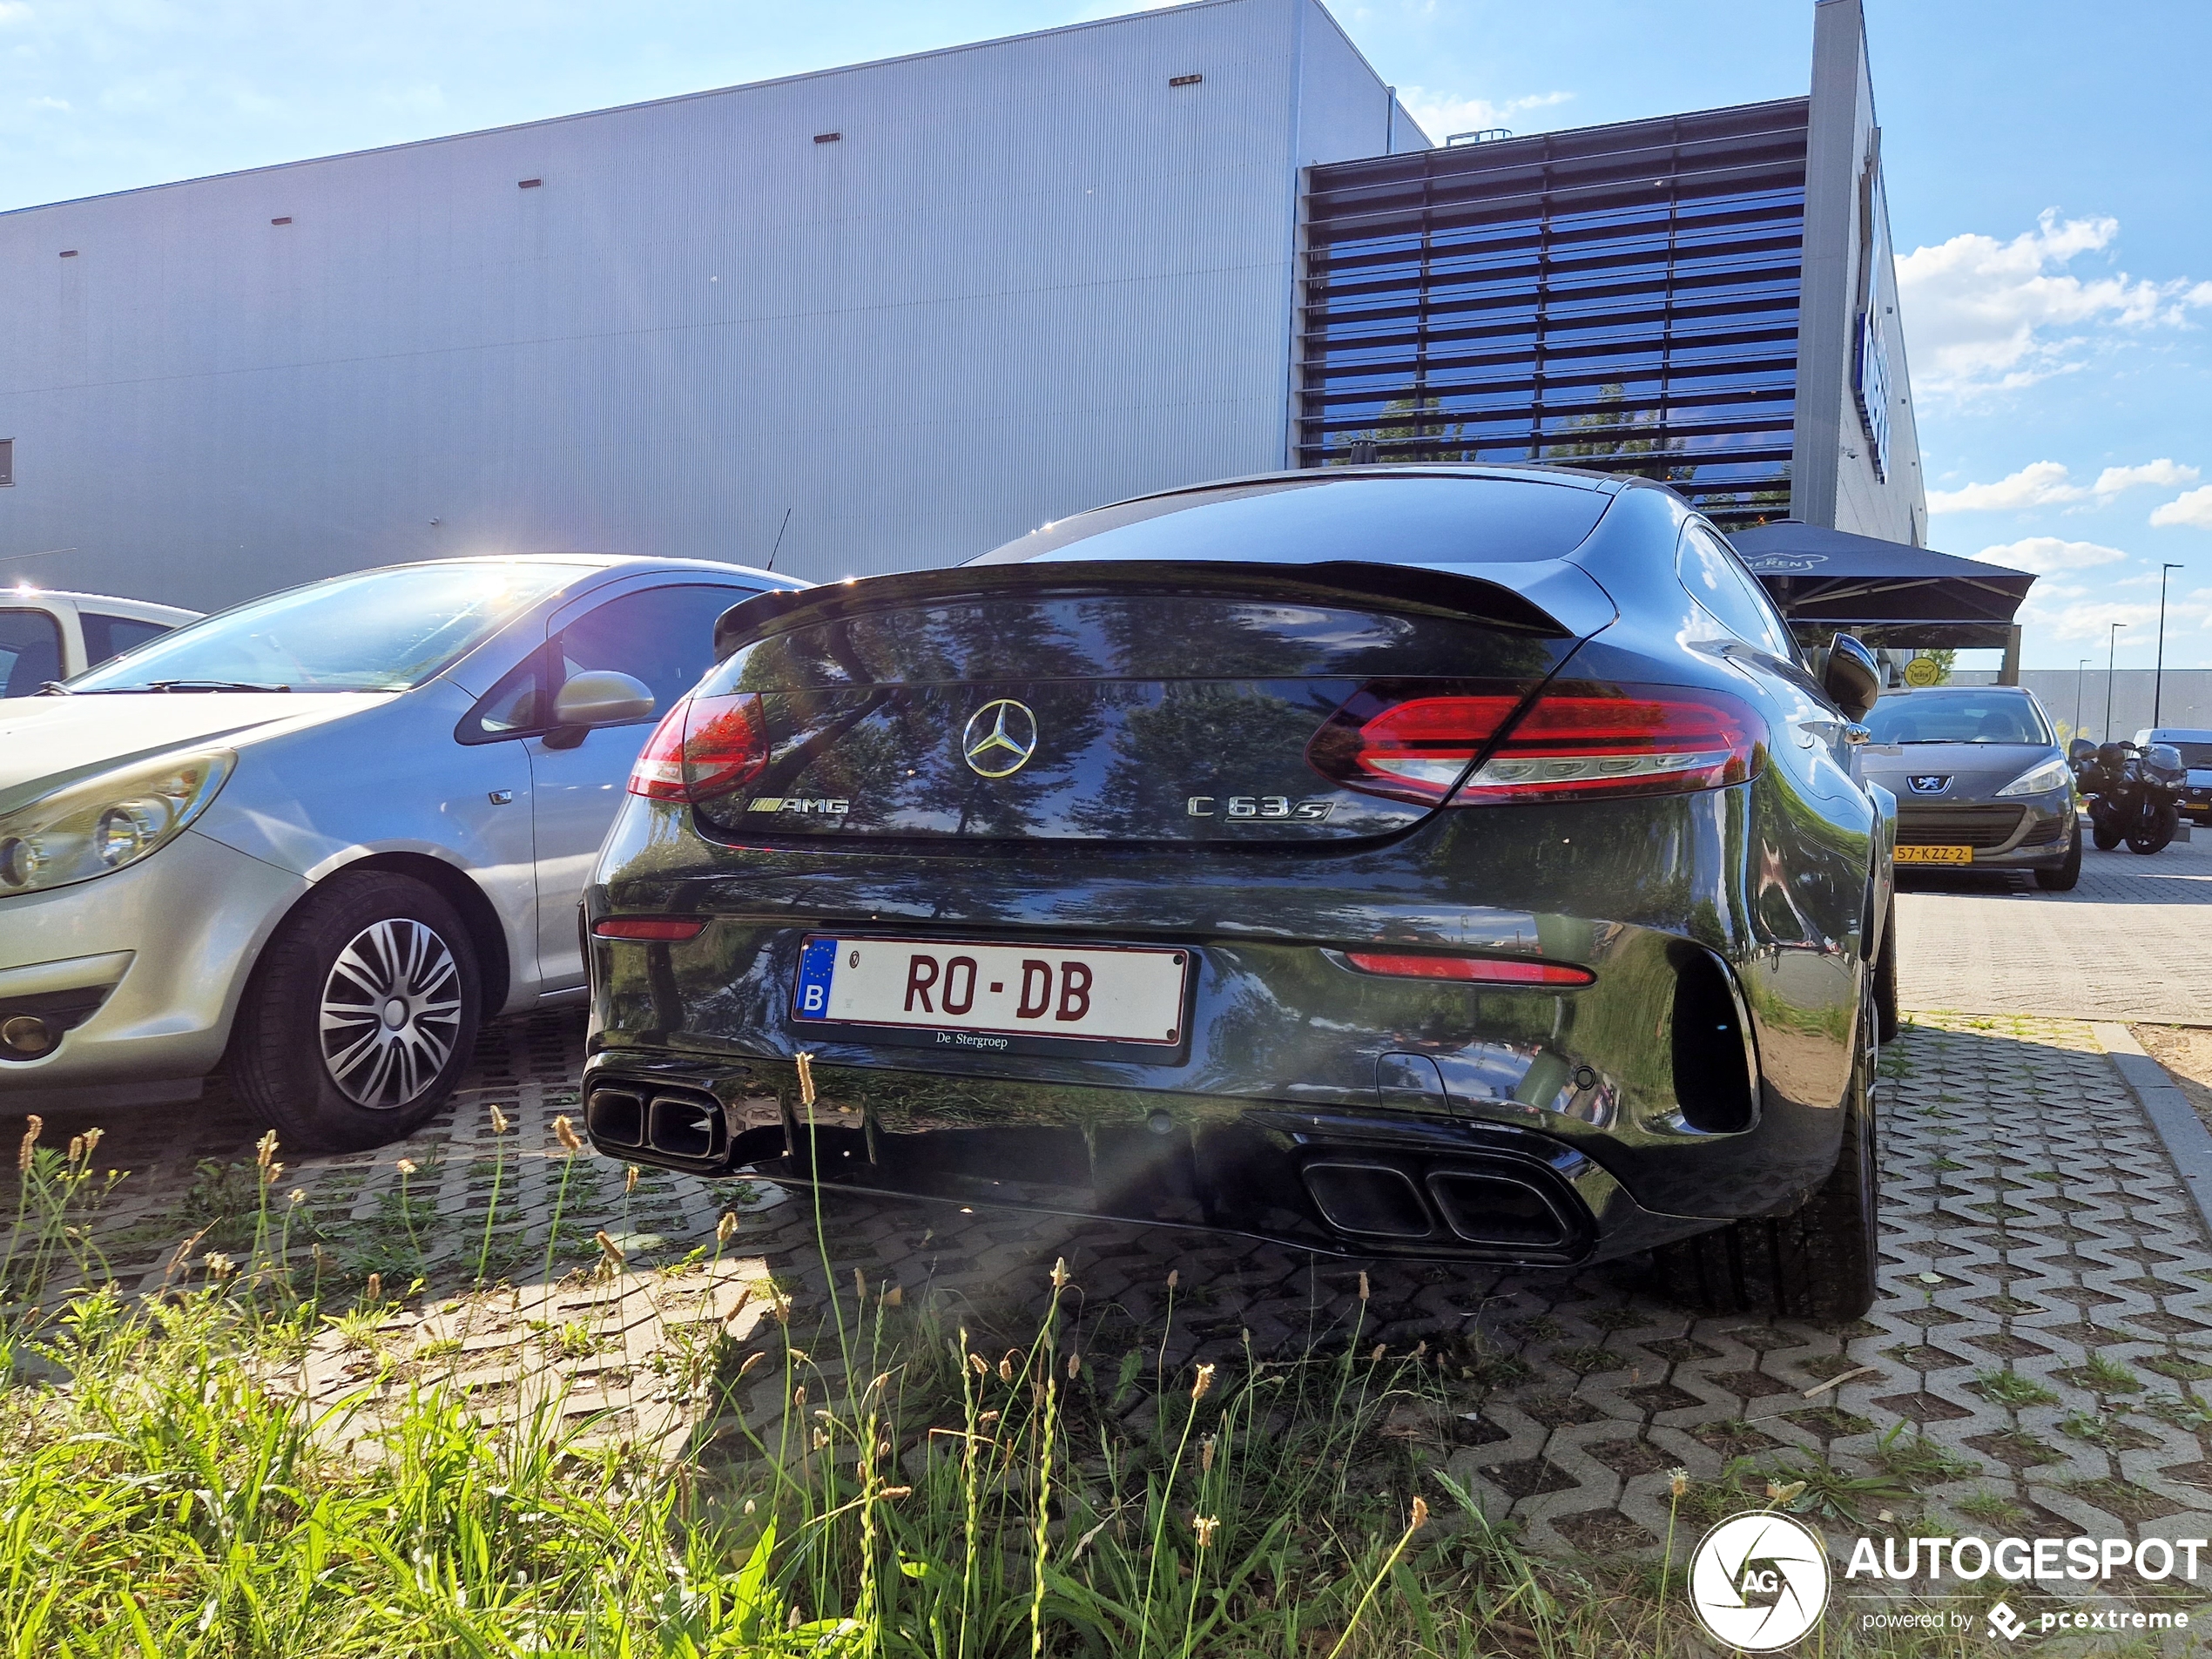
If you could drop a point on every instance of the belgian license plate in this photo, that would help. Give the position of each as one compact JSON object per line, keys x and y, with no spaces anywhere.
{"x":992,"y":998}
{"x":1935,"y":855}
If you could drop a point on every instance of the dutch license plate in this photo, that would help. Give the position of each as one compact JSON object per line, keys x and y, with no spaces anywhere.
{"x":981,"y":996}
{"x":1935,"y":855}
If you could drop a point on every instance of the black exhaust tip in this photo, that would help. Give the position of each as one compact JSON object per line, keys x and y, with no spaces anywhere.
{"x":686,"y":1126}
{"x":615,"y":1117}
{"x":1371,"y":1200}
{"x":1486,"y":1208}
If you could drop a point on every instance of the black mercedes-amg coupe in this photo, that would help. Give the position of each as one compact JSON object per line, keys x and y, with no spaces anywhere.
{"x":1456,"y":862}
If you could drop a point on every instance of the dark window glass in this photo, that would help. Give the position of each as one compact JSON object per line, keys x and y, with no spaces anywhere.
{"x":2195,"y":754}
{"x":662,"y":635}
{"x":1406,"y":520}
{"x":1957,"y":717}
{"x":106,"y":635}
{"x":31,"y":651}
{"x":1719,"y":582}
{"x":7,"y":462}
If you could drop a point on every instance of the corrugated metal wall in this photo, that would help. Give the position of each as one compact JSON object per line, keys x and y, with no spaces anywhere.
{"x":1028,"y":276}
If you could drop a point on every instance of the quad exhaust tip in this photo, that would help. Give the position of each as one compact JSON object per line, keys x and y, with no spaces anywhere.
{"x":1494,"y":1205}
{"x":682,"y":1124}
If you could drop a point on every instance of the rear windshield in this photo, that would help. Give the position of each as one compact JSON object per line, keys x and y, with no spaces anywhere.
{"x":1408,"y":520}
{"x":1952,"y":717}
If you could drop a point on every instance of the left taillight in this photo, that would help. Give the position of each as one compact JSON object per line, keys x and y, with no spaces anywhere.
{"x":704,"y":747}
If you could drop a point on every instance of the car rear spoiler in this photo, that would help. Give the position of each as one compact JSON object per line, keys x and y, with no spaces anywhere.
{"x":1550,"y":600}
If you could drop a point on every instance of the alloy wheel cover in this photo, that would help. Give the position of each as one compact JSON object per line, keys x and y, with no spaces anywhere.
{"x":390,"y":1013}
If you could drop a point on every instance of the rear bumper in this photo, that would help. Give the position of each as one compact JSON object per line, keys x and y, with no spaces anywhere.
{"x":1342,"y":1182}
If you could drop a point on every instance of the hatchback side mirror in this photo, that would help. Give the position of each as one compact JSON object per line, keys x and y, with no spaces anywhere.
{"x":598,"y":697}
{"x":1851,"y":676}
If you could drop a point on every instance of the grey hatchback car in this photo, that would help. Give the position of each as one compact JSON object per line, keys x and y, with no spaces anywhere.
{"x":1980,"y":781}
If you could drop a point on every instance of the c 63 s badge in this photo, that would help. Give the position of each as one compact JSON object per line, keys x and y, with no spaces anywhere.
{"x":1277,"y":807}
{"x":794,"y":804}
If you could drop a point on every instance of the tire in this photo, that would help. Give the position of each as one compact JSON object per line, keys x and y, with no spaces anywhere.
{"x":1886,"y":1012}
{"x":2163,"y":823}
{"x":2063,"y":879}
{"x":362,"y":1082}
{"x":1821,"y":1263}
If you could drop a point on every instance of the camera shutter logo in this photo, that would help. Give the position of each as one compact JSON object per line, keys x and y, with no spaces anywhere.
{"x":1759,"y":1581}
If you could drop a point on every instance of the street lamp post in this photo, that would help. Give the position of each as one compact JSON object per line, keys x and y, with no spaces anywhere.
{"x":2081,"y":668}
{"x":2158,"y":675}
{"x":2112,"y":654}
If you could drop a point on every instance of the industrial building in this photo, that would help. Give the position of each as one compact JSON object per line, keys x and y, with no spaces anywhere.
{"x":892,"y":315}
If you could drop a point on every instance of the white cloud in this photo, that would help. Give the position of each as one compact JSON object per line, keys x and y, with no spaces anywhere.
{"x":2193,"y":507}
{"x":2094,"y":620}
{"x":2046,"y":555}
{"x":13,"y":11}
{"x":1440,"y":114}
{"x":61,"y":104}
{"x":2163,"y":472}
{"x":2040,"y":483}
{"x":1979,"y":314}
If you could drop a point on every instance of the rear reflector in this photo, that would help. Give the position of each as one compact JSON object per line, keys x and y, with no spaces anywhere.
{"x":705,"y":747}
{"x":1582,"y":739}
{"x":675,"y":927}
{"x":1470,"y":970}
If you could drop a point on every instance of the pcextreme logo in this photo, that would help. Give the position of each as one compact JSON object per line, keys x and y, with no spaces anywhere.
{"x":1759,"y":1581}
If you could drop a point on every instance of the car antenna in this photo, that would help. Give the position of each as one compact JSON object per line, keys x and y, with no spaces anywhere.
{"x":780,"y":529}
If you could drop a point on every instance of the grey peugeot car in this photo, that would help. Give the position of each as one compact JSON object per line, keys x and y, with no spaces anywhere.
{"x":1979,"y":779}
{"x":1454,"y":862}
{"x":315,"y":839}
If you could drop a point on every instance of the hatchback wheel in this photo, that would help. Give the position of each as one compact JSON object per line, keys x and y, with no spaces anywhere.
{"x":361,"y":1015}
{"x":1820,"y":1263}
{"x":2063,"y":879}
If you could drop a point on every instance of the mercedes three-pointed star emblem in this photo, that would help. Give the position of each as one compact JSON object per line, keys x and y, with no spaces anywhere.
{"x":1000,"y":738}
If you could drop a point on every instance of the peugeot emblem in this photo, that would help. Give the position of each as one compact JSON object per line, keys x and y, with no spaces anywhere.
{"x":1000,"y":738}
{"x":1930,"y":783}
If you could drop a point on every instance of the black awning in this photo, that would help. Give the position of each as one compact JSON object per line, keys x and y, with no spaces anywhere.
{"x":1841,"y":580}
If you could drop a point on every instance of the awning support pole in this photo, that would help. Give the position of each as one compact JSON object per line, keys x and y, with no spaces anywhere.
{"x":2009,"y":672}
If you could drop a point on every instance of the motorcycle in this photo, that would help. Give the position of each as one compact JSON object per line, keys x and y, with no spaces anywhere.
{"x":2134,"y":794}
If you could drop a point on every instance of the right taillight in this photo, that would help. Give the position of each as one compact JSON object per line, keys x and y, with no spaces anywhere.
{"x":1581,"y":738}
{"x":704,"y":747}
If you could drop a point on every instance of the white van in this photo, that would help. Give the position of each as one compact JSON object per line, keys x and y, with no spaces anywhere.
{"x":46,"y":636}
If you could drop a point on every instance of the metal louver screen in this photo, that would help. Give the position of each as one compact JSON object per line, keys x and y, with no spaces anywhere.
{"x":1622,"y":298}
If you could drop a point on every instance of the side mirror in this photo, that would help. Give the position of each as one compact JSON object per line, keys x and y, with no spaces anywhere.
{"x":598,"y":697}
{"x":1851,"y":676}
{"x":2081,"y":752}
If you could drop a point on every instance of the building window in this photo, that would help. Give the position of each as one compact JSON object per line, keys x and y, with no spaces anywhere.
{"x":7,"y":462}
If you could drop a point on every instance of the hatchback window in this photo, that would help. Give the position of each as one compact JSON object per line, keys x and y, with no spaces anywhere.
{"x":381,"y":630}
{"x":1413,"y":519}
{"x":31,"y":651}
{"x":1950,"y":718}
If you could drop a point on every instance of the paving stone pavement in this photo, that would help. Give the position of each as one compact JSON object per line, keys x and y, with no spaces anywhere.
{"x":2128,"y":943}
{"x":2047,"y":1306}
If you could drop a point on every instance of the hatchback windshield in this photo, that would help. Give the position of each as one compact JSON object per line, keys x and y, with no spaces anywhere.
{"x":381,"y":630}
{"x":1957,"y":717}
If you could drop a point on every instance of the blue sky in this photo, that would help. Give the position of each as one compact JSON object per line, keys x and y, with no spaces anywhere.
{"x":2047,"y":170}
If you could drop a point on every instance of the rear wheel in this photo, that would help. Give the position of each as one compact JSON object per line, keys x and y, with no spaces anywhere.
{"x":2063,"y":879}
{"x":1823,"y":1261}
{"x":361,"y":1015}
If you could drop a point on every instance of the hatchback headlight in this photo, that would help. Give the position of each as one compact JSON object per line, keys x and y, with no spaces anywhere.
{"x":102,"y":823}
{"x":2052,"y":774}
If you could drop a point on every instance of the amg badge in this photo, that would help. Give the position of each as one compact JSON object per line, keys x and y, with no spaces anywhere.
{"x":794,"y":804}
